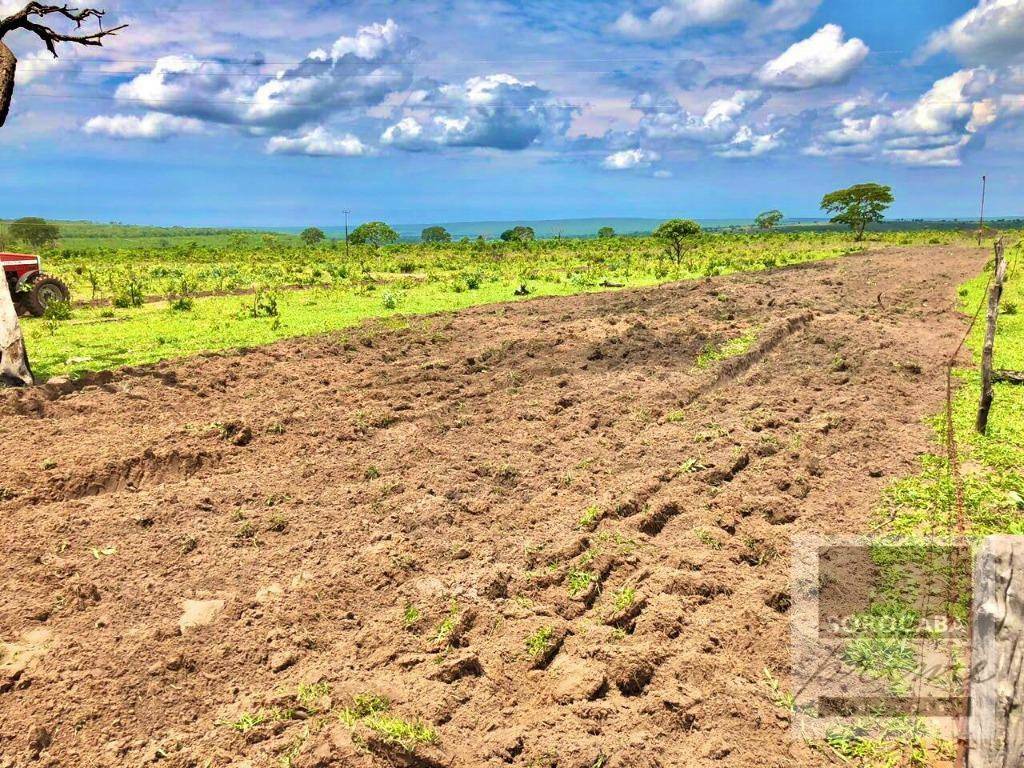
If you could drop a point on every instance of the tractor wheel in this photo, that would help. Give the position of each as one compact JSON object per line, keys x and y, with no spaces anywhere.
{"x":42,"y":291}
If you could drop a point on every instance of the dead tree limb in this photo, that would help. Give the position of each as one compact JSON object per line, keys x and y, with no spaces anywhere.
{"x":1004,"y":376}
{"x":50,"y":37}
{"x":28,"y":19}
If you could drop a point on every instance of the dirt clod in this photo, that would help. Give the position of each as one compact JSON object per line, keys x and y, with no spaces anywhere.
{"x":39,"y":739}
{"x":199,"y":613}
{"x":577,"y":682}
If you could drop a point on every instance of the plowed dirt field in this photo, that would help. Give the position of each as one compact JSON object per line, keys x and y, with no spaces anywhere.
{"x":552,"y":533}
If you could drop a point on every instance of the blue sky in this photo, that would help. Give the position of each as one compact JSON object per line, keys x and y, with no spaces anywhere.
{"x":285,"y":113}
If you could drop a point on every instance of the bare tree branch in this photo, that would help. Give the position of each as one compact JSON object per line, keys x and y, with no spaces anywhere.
{"x":50,"y":37}
{"x":23,"y":19}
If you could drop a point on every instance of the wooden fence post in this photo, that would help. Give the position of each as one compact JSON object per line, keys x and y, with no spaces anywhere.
{"x":995,"y":293}
{"x":997,"y":666}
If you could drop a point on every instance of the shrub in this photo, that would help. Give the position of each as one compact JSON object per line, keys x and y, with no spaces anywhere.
{"x":264,"y":304}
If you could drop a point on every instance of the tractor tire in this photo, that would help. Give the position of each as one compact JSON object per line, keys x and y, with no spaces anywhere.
{"x":42,"y":291}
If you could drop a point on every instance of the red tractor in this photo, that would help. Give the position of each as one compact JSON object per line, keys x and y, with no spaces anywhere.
{"x":30,"y":287}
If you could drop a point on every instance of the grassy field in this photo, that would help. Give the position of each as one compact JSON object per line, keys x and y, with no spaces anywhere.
{"x":214,"y":290}
{"x":120,"y":266}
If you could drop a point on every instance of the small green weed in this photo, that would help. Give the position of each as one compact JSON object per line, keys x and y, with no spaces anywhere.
{"x":411,"y":616}
{"x":579,"y":581}
{"x":623,"y":599}
{"x":590,"y":517}
{"x":780,"y":698}
{"x":364,"y":705}
{"x":447,"y":627}
{"x":246,"y":721}
{"x":373,"y":711}
{"x":539,"y":643}
{"x":309,"y":694}
{"x":706,"y":538}
{"x":888,"y":742}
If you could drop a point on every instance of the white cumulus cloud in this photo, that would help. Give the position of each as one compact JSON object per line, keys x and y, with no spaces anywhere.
{"x":990,"y":33}
{"x":672,"y":18}
{"x":934,"y":130}
{"x":358,"y":72}
{"x":724,"y":128}
{"x":152,"y":126}
{"x":747,"y":143}
{"x":498,"y":111}
{"x":665,"y":119}
{"x":628,"y":159}
{"x":319,"y":142}
{"x":35,"y":66}
{"x":824,"y":58}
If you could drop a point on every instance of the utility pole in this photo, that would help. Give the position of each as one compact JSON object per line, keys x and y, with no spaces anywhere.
{"x":346,"y":233}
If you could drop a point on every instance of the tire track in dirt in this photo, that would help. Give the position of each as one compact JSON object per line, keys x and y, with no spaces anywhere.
{"x":406,"y":517}
{"x":732,"y":367}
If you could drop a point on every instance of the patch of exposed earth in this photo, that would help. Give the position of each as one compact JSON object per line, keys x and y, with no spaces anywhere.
{"x":552,"y":533}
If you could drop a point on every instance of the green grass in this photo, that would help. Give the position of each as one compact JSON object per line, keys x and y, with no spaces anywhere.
{"x":447,"y":627}
{"x":404,"y":733}
{"x":364,"y":705}
{"x":891,"y":742}
{"x":246,"y":721}
{"x":780,"y":697}
{"x":308,"y":694}
{"x":339,"y":291}
{"x":410,"y":616}
{"x":991,"y":464}
{"x":730,"y":348}
{"x":374,"y":712}
{"x":889,"y":657}
{"x":154,"y":332}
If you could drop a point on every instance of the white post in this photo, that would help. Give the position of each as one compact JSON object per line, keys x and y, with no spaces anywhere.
{"x":997,"y":655}
{"x":14,"y":369}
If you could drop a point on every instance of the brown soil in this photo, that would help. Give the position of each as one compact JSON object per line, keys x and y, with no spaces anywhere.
{"x":192,"y":541}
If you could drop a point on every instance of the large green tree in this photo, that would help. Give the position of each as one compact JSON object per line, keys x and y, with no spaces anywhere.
{"x":34,"y":231}
{"x":312,"y":236}
{"x":375,"y":233}
{"x":858,"y":206}
{"x":519,"y":235}
{"x":435,"y":235}
{"x":605,"y":232}
{"x":678,"y":235}
{"x":768,"y":219}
